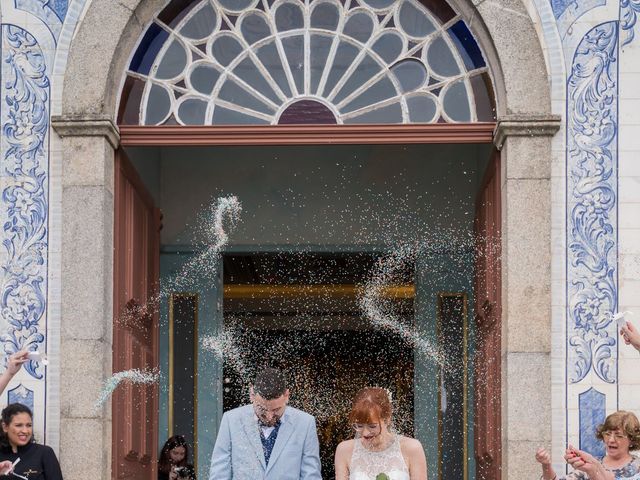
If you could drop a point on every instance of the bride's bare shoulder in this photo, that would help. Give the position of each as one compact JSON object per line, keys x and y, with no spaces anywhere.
{"x":345,"y":448}
{"x":410,"y":446}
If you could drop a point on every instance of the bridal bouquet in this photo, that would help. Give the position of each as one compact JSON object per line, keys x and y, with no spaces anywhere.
{"x":382,"y":476}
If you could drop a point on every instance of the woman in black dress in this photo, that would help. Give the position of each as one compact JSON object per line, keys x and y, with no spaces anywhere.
{"x":37,"y":462}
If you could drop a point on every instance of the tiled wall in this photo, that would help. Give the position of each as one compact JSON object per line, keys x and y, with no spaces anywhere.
{"x":35,"y":42}
{"x":595,"y":213}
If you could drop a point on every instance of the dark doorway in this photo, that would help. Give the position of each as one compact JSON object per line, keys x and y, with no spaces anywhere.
{"x":299,"y":312}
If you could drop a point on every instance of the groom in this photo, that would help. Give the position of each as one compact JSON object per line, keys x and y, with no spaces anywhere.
{"x":266,"y":440}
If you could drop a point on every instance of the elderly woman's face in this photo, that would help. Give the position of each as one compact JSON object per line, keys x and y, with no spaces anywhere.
{"x":617,"y":443}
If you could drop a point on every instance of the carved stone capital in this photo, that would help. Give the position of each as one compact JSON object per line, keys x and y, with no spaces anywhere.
{"x":87,"y":127}
{"x":525,"y":126}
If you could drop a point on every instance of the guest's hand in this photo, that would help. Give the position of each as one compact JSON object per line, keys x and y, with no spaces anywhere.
{"x":630,"y":335}
{"x":581,"y":460}
{"x":16,"y":361}
{"x":173,"y":475}
{"x":6,"y":467}
{"x":543,"y":457}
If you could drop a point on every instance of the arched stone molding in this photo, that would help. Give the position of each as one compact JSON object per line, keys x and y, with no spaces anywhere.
{"x":101,"y":50}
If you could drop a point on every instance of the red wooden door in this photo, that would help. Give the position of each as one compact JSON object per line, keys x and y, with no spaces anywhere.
{"x":488,"y":441}
{"x":135,"y":324}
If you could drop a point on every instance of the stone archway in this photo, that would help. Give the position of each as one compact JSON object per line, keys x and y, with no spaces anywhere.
{"x":98,"y":57}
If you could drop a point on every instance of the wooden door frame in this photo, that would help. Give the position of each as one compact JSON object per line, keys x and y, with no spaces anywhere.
{"x":124,"y":166}
{"x":176,"y":135}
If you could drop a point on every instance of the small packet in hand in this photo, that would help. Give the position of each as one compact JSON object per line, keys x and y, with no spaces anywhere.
{"x":37,"y":356}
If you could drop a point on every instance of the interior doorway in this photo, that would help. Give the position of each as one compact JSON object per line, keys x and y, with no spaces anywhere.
{"x":315,"y":223}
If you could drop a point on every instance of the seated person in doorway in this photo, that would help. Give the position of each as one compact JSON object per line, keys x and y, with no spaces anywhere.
{"x":620,"y":434}
{"x":17,"y":446}
{"x":266,"y":440}
{"x":376,"y":451}
{"x":172,"y":463}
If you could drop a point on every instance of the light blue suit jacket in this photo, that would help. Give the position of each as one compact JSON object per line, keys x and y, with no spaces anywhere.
{"x":238,"y":453}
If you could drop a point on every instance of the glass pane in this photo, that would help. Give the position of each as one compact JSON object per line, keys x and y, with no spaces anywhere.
{"x":389,"y":45}
{"x":325,"y":15}
{"x":467,"y":46}
{"x":345,"y":54}
{"x":411,"y":74}
{"x":158,"y":105}
{"x":201,"y":25}
{"x":204,"y":77}
{"x":173,"y":61}
{"x":367,"y":69}
{"x":224,"y":116}
{"x":389,"y":114}
{"x":237,"y":5}
{"x":248,"y":72}
{"x":320,"y":47}
{"x":225,"y":49}
{"x":270,"y":58}
{"x":482,"y":93}
{"x":234,"y":93}
{"x":413,"y":21}
{"x":294,"y":50}
{"x":289,"y":17}
{"x":441,"y":59}
{"x":381,"y":90}
{"x":192,"y":111}
{"x":422,"y":108}
{"x":145,"y":56}
{"x":359,"y":27}
{"x":255,"y":27}
{"x":456,"y":102}
{"x":379,"y":4}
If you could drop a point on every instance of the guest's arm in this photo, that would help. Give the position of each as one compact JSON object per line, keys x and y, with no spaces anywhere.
{"x":630,"y":335}
{"x":310,"y":467}
{"x":543,"y":457}
{"x":584,"y":462}
{"x":5,"y":467}
{"x":221,"y":466}
{"x":13,"y":366}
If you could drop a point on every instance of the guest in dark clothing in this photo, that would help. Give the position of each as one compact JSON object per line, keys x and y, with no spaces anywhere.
{"x":172,"y":464}
{"x":37,"y":462}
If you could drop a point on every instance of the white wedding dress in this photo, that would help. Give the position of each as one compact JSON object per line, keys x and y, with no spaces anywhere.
{"x":366,"y":465}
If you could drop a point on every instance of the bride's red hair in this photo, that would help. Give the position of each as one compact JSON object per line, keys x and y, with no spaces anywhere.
{"x":371,"y":405}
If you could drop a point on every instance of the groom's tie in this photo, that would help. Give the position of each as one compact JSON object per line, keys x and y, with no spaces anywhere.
{"x":269,"y":442}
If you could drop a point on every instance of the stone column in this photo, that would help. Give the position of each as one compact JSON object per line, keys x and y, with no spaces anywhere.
{"x":525,"y":144}
{"x":87,"y":293}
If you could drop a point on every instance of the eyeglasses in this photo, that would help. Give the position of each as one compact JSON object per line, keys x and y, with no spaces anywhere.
{"x":372,"y":427}
{"x":616,"y":435}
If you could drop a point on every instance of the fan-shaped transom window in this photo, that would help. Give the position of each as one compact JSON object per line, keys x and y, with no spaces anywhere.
{"x":220,"y":62}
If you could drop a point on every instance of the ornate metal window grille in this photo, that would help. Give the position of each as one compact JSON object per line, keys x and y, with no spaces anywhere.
{"x":219,"y":62}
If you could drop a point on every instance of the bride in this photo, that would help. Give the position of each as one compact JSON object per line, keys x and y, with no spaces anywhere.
{"x":376,"y":453}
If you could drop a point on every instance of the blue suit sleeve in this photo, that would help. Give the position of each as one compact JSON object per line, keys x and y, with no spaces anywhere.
{"x":221,"y":467}
{"x":310,"y":469}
